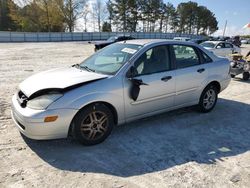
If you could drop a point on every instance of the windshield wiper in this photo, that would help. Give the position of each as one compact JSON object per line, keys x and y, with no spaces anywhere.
{"x":87,"y":68}
{"x":78,"y":66}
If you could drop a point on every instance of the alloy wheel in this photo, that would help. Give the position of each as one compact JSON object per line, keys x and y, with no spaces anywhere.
{"x":94,"y":125}
{"x":209,"y":99}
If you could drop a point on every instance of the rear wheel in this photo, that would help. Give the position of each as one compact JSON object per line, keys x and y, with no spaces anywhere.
{"x":93,"y":124}
{"x":208,"y":99}
{"x":246,"y":75}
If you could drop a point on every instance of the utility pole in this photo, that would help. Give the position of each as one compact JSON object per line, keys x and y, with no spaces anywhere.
{"x":224,"y":31}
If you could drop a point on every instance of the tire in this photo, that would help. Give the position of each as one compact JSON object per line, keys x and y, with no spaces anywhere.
{"x":246,"y":75}
{"x":209,"y":94}
{"x":93,"y":124}
{"x":232,"y":76}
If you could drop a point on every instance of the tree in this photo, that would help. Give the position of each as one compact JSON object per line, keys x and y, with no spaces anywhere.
{"x":6,"y":22}
{"x":99,"y":12}
{"x":196,"y":19}
{"x":71,"y":11}
{"x":132,"y":15}
{"x":86,"y":12}
{"x":171,"y":18}
{"x":120,"y":15}
{"x":106,"y":27}
{"x":51,"y":17}
{"x":151,"y":11}
{"x":111,"y":12}
{"x":37,"y":16}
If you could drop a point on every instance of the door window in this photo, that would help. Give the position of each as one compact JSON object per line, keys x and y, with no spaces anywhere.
{"x":227,"y":45}
{"x":221,"y":45}
{"x":185,"y":56}
{"x":153,"y":60}
{"x":206,"y":58}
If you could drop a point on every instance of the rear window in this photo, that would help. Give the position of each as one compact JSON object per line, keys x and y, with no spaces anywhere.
{"x":208,"y":44}
{"x":206,"y":58}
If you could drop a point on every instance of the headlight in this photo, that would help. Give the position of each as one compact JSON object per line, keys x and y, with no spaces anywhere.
{"x":42,"y":102}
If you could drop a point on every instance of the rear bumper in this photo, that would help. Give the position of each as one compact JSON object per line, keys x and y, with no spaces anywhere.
{"x":31,"y":122}
{"x":225,"y":83}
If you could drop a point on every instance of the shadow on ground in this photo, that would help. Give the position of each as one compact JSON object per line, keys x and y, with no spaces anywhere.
{"x":240,"y":79}
{"x":157,"y":143}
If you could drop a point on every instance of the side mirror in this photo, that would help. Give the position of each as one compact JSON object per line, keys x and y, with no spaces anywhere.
{"x":132,"y":72}
{"x":218,"y":47}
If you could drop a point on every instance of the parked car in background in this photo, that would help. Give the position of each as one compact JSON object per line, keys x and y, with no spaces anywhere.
{"x":236,"y":41}
{"x":221,"y":48}
{"x":221,"y":38}
{"x":245,"y":41}
{"x":111,"y":40}
{"x":197,"y":41}
{"x":121,"y":83}
{"x":181,"y":38}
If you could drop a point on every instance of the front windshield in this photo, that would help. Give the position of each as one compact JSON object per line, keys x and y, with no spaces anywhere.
{"x":110,"y":59}
{"x":112,"y":39}
{"x":208,"y":44}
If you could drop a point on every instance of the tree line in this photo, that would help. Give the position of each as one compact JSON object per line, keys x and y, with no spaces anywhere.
{"x":110,"y":15}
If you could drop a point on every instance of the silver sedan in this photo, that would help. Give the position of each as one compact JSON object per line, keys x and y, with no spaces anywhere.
{"x":123,"y":82}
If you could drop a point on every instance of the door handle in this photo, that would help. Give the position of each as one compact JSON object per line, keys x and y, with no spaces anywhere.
{"x":200,"y":70}
{"x":166,"y":78}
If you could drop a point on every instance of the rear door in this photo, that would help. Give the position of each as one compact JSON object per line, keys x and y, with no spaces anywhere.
{"x":190,"y":73}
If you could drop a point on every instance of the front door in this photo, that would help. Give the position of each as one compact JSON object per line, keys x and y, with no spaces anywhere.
{"x":157,"y":92}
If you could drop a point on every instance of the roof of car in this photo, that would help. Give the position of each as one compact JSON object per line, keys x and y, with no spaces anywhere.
{"x":152,"y":41}
{"x":213,"y":41}
{"x":216,"y":42}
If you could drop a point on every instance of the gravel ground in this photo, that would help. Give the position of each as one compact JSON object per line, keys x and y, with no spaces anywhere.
{"x":182,"y":148}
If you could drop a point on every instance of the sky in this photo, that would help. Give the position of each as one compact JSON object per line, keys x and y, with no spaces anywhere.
{"x":236,"y":13}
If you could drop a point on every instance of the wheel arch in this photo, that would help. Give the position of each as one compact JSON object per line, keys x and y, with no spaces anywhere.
{"x":216,"y":84}
{"x":108,"y":105}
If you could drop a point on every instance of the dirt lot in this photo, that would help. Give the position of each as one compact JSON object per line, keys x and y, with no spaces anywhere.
{"x":177,"y":149}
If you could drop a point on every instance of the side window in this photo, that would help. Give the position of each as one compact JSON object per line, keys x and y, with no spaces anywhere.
{"x":221,"y":45}
{"x":206,"y":58}
{"x":153,"y":60}
{"x":185,"y":56}
{"x":227,"y":45}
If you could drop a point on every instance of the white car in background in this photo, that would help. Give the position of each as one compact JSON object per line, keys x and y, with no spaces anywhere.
{"x":245,"y":41}
{"x":181,"y":38}
{"x":221,"y":48}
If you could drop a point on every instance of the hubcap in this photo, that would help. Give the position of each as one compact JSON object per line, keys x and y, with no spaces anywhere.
{"x":209,"y":99}
{"x":94,"y":125}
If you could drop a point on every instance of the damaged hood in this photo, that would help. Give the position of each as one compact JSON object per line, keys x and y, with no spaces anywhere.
{"x":60,"y":78}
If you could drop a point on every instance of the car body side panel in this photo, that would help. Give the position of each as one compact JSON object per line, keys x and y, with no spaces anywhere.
{"x":217,"y":71}
{"x":99,"y":91}
{"x":188,"y":81}
{"x":157,"y":95}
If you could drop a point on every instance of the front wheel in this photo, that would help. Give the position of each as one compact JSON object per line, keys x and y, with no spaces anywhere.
{"x":93,"y":124}
{"x":208,"y":99}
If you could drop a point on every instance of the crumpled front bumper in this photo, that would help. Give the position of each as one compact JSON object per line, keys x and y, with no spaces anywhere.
{"x":31,"y":123}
